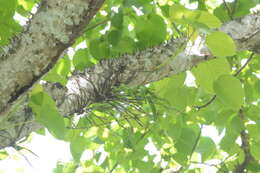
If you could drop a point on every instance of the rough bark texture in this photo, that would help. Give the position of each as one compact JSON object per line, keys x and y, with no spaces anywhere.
{"x":54,"y":28}
{"x":94,"y":84}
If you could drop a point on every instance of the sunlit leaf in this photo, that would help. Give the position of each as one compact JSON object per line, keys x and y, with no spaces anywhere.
{"x":206,"y":73}
{"x":221,"y":44}
{"x":229,"y":90}
{"x":77,"y":146}
{"x":206,"y":147}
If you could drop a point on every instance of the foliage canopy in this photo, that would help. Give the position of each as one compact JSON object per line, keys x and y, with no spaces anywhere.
{"x":169,"y":114}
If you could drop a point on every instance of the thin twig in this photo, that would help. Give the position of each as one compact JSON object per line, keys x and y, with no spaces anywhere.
{"x":193,"y":147}
{"x":207,"y":164}
{"x":97,"y":24}
{"x":197,"y":141}
{"x":114,"y":167}
{"x":236,"y":74}
{"x":206,"y":104}
{"x":234,"y":8}
{"x":248,"y":60}
{"x":228,"y":10}
{"x":240,"y":168}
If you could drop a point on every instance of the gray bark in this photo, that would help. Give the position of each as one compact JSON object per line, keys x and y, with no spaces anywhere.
{"x":95,"y":84}
{"x":53,"y":28}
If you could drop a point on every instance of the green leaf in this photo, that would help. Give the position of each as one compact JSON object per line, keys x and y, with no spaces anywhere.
{"x":118,"y":19}
{"x":206,"y":73}
{"x":8,"y":28}
{"x":243,"y":7}
{"x":222,"y":13}
{"x":257,"y":86}
{"x":3,"y":155}
{"x":99,"y":49}
{"x":237,"y":124}
{"x":220,"y":44}
{"x":54,"y":77}
{"x":7,"y":8}
{"x":174,"y":92}
{"x":208,"y":115}
{"x":209,"y":19}
{"x":7,"y":24}
{"x":47,"y":113}
{"x":180,"y":98}
{"x":253,"y":166}
{"x":180,"y":14}
{"x":114,"y":36}
{"x":58,"y":169}
{"x":59,"y":72}
{"x":136,"y":3}
{"x":197,"y":19}
{"x":52,"y":120}
{"x":143,"y":166}
{"x":150,"y":30}
{"x":173,"y":129}
{"x":249,"y":92}
{"x":185,"y":143}
{"x":255,"y":149}
{"x":125,"y":45}
{"x":63,"y":66}
{"x":175,"y":81}
{"x":228,"y":141}
{"x":37,"y":98}
{"x":81,"y":59}
{"x":40,"y":131}
{"x":254,"y":131}
{"x":77,"y":146}
{"x":27,"y":4}
{"x":253,"y":113}
{"x":229,"y":90}
{"x":206,"y":147}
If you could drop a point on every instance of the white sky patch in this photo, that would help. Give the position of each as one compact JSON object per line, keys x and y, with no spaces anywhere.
{"x":106,"y":28}
{"x":22,"y":20}
{"x":87,"y":155}
{"x":212,"y":132}
{"x":138,"y":11}
{"x":243,"y":62}
{"x":81,"y":45}
{"x":189,"y":5}
{"x":103,"y":13}
{"x":49,"y":150}
{"x":115,"y":9}
{"x":197,"y":47}
{"x":190,"y":79}
{"x":130,"y":27}
{"x":70,"y":52}
{"x":255,"y":9}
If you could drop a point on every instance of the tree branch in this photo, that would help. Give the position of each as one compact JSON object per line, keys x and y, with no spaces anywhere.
{"x":95,"y":84}
{"x":53,"y":29}
{"x":240,"y":168}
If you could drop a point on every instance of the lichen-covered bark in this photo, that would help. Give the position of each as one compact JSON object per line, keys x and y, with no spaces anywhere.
{"x":95,"y":84}
{"x":245,"y":31}
{"x":53,"y":28}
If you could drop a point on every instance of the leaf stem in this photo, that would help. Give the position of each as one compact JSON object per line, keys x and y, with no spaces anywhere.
{"x":248,"y":60}
{"x":235,"y":75}
{"x":228,"y":10}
